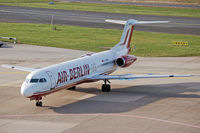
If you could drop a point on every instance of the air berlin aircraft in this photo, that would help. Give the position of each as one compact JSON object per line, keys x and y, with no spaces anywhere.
{"x":87,"y":68}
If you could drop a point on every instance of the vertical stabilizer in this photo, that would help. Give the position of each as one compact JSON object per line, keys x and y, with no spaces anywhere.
{"x":124,"y":44}
{"x":127,"y":35}
{"x":125,"y":40}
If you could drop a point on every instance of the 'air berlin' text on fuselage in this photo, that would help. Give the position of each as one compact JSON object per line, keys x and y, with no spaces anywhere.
{"x":73,"y":73}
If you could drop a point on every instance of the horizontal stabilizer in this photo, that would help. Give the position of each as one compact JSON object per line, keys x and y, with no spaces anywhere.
{"x":115,"y":21}
{"x":133,"y":22}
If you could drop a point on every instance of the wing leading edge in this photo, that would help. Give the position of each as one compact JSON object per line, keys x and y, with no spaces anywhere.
{"x":131,"y":77}
{"x":27,"y":69}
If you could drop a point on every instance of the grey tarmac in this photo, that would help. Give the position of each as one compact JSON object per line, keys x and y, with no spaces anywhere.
{"x":180,"y":25}
{"x":169,"y":105}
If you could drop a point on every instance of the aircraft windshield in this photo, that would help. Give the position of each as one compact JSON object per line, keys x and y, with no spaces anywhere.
{"x":42,"y":80}
{"x":34,"y":80}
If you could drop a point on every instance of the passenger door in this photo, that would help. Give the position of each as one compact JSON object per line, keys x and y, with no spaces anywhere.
{"x":52,"y":79}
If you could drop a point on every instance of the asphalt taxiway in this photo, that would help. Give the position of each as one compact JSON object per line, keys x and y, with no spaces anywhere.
{"x":169,"y":105}
{"x":180,"y":25}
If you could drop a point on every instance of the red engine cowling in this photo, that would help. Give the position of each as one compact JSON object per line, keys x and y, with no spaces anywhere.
{"x":125,"y":61}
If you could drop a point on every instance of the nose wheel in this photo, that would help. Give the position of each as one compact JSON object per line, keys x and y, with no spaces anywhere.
{"x":38,"y":101}
{"x":106,"y":87}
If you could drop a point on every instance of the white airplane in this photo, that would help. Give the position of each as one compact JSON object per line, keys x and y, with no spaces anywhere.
{"x":87,"y":68}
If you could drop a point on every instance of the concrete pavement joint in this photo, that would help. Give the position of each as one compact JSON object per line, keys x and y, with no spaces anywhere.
{"x":103,"y":114}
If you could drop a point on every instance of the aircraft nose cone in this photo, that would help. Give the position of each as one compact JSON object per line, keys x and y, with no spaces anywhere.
{"x":25,"y":91}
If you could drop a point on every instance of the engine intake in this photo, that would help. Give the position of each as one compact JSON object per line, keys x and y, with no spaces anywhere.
{"x":126,"y":60}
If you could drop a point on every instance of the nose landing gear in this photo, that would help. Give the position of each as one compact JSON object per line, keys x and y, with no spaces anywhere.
{"x":38,"y":101}
{"x":106,"y":87}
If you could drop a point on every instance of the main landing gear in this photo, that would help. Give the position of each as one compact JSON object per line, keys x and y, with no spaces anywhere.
{"x":106,"y":87}
{"x":38,"y":101}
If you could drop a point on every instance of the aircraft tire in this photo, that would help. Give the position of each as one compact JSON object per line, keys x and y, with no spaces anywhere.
{"x":38,"y":104}
{"x":107,"y":88}
{"x":103,"y":88}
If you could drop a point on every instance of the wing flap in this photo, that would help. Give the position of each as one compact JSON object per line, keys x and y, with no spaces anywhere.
{"x":130,"y":76}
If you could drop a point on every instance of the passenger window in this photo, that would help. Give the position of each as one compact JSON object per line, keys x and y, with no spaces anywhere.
{"x":34,"y":80}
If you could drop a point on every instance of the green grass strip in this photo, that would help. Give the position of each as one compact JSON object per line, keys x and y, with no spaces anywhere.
{"x":96,"y":39}
{"x":23,"y":1}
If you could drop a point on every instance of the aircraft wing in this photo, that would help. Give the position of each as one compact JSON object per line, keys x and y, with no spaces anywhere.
{"x":131,"y":77}
{"x":27,"y":69}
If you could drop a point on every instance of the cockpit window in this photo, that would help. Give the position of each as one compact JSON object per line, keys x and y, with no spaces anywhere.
{"x":34,"y":80}
{"x":43,"y":80}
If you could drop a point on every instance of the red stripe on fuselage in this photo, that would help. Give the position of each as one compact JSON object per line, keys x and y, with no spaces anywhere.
{"x":130,"y":36}
{"x":44,"y":93}
{"x":39,"y":94}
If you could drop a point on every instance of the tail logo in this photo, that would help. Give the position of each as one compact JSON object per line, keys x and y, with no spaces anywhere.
{"x":128,"y":37}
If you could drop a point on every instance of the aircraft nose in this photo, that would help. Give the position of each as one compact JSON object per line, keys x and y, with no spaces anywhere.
{"x":25,"y":91}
